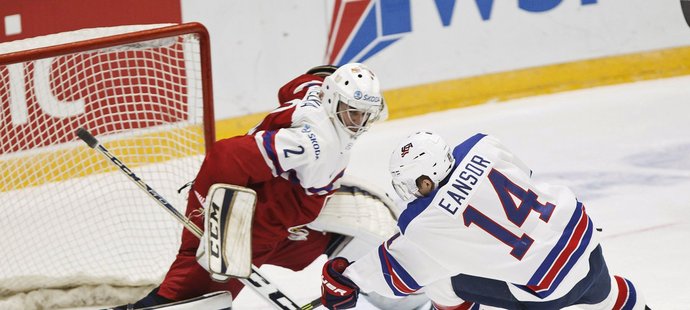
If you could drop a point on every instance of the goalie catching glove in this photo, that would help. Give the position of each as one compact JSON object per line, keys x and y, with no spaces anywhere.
{"x":337,"y":291}
{"x":225,"y":247}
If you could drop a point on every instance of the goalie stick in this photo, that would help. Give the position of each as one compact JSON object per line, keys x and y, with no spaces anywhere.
{"x":258,"y":282}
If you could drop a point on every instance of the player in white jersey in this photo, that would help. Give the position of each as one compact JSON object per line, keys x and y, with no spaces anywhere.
{"x":481,"y":231}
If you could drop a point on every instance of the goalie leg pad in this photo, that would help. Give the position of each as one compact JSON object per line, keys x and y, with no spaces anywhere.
{"x":225,"y":247}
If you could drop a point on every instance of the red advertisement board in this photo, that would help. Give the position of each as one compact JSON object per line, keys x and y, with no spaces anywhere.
{"x":108,"y":92}
{"x":120,"y":91}
{"x":26,"y":19}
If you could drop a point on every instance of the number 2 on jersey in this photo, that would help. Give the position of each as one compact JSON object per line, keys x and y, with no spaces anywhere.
{"x":517,"y":214}
{"x":299,"y":151}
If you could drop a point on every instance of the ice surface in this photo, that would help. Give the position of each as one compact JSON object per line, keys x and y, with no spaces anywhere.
{"x":625,"y":150}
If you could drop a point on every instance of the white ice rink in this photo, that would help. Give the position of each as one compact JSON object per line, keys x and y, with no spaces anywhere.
{"x":625,"y":150}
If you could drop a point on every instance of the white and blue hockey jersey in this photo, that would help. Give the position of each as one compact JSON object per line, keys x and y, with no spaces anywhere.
{"x":299,"y":142}
{"x":487,"y":219}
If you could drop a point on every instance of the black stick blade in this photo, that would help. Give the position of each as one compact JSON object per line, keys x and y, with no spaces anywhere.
{"x":87,"y":137}
{"x":685,"y":6}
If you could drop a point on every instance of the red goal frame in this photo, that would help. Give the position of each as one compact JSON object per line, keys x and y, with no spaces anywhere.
{"x":133,"y":37}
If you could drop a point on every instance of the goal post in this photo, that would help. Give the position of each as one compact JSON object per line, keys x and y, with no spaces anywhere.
{"x":70,"y":221}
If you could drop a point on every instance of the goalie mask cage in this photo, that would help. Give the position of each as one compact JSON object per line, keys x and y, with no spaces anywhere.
{"x":70,"y":222}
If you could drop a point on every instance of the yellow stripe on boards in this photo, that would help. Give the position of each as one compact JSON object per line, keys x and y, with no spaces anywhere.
{"x":451,"y":94}
{"x":528,"y":82}
{"x":231,"y":127}
{"x":67,"y":163}
{"x":37,"y":169}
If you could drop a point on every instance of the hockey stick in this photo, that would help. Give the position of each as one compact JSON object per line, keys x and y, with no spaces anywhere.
{"x":256,"y":280}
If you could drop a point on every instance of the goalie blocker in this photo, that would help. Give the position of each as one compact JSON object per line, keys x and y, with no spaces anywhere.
{"x":225,"y":247}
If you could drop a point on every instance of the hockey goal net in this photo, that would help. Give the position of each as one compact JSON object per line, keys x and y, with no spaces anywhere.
{"x":70,"y":222}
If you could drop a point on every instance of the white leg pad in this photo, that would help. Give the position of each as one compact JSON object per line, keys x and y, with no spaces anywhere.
{"x":225,"y":249}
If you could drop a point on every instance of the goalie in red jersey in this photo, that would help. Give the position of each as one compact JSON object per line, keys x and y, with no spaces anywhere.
{"x":293,"y":160}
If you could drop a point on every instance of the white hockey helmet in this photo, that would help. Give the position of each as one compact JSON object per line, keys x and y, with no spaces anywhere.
{"x":352,"y":98}
{"x":420,"y":154}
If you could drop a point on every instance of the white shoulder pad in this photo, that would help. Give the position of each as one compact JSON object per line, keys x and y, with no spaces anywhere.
{"x":358,"y":210}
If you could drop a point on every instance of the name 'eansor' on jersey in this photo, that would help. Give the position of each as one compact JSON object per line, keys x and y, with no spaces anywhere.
{"x":462,"y":183}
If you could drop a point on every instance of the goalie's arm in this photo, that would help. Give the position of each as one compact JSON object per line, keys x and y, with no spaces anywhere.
{"x":235,"y":161}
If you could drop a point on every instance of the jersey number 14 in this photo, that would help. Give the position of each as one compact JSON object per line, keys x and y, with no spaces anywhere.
{"x":517,"y":214}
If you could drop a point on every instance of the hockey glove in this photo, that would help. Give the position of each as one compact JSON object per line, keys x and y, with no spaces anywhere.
{"x":323,"y":70}
{"x":337,"y":291}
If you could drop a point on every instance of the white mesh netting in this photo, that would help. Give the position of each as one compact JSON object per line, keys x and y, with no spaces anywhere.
{"x":68,"y":218}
